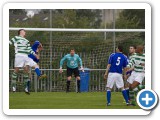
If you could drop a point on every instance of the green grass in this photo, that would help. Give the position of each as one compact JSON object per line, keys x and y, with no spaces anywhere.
{"x":62,"y":100}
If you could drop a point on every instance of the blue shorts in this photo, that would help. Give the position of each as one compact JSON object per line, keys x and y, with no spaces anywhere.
{"x":128,"y":73}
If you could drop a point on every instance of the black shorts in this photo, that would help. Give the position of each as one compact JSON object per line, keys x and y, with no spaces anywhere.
{"x":70,"y":71}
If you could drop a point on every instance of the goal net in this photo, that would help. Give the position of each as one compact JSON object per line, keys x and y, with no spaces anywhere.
{"x":93,"y":47}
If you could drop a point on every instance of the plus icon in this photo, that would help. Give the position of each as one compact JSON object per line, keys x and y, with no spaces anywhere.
{"x":147,"y":99}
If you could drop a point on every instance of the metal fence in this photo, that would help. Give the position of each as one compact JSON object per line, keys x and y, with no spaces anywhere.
{"x":58,"y":81}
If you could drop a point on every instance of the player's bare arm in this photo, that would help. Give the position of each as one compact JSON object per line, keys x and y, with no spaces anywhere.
{"x":125,"y":71}
{"x":106,"y":73}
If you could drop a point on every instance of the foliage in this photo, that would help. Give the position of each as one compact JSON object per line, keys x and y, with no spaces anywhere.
{"x":131,"y":19}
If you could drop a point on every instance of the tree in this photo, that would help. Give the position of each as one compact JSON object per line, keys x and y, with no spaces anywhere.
{"x":131,"y":18}
{"x":16,"y":11}
{"x":76,"y":18}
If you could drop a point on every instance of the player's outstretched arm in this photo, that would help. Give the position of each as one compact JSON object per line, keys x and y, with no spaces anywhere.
{"x":81,"y":66}
{"x":30,"y":50}
{"x":106,"y":73}
{"x":61,"y":63}
{"x":12,"y":41}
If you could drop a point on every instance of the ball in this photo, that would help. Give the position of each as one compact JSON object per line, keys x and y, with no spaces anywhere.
{"x":30,"y":14}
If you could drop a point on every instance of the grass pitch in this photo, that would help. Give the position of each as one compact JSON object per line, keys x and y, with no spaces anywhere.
{"x":62,"y":100}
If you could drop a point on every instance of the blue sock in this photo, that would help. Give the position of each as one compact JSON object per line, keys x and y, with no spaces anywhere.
{"x":108,"y":95}
{"x":38,"y":72}
{"x":125,"y":95}
{"x":127,"y":90}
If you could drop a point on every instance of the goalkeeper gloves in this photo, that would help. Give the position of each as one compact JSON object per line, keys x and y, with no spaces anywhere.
{"x":60,"y":70}
{"x":81,"y":68}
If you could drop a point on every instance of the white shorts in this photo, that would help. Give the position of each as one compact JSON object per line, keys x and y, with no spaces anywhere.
{"x":21,"y":60}
{"x":31,"y":62}
{"x":115,"y":78}
{"x":136,"y":76}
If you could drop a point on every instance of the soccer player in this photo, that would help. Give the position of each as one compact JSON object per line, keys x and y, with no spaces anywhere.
{"x":117,"y":61}
{"x":33,"y":62}
{"x":22,"y":50}
{"x":132,"y":49}
{"x":72,"y":68}
{"x":137,"y":76}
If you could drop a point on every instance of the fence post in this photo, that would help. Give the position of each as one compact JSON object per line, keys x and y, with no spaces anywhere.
{"x":50,"y":73}
{"x":35,"y":82}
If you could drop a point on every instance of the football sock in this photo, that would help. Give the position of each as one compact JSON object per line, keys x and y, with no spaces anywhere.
{"x":28,"y":84}
{"x":124,"y":93}
{"x":78,"y":84}
{"x":132,"y":98}
{"x":108,"y":95}
{"x":14,"y":79}
{"x":140,"y":87}
{"x":136,"y":91}
{"x":68,"y":84}
{"x":38,"y":72}
{"x":25,"y":78}
{"x":127,"y":90}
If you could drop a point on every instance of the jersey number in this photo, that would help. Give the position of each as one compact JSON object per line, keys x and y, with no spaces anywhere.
{"x":118,"y":61}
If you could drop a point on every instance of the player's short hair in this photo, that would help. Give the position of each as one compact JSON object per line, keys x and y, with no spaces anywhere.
{"x":72,"y":49}
{"x":20,"y":31}
{"x":120,"y":48}
{"x":133,"y":46}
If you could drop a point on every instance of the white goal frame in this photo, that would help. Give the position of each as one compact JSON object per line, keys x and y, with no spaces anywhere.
{"x":74,"y":30}
{"x":77,"y":30}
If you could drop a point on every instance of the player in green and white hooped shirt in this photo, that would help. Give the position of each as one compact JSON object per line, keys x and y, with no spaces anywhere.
{"x":72,"y":67}
{"x":22,"y":49}
{"x":132,"y":49}
{"x":138,"y":63}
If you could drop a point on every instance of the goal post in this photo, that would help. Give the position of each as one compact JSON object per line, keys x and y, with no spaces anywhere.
{"x":89,"y":44}
{"x":78,"y":30}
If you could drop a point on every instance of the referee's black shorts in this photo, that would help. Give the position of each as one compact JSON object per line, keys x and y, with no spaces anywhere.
{"x":71,"y":71}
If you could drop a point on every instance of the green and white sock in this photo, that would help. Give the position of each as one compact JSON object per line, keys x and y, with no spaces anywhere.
{"x":140,"y":87}
{"x":136,"y":90}
{"x":25,"y":79}
{"x":14,"y":79}
{"x":132,"y":97}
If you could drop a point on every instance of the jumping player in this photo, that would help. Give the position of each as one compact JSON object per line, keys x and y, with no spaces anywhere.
{"x":22,"y":50}
{"x":33,"y":62}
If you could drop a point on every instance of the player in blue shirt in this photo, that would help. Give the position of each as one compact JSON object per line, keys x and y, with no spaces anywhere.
{"x":33,"y":63}
{"x":36,"y":47}
{"x":116,"y":63}
{"x":72,"y":67}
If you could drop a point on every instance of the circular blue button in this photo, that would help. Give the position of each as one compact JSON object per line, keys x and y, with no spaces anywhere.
{"x":147,"y":99}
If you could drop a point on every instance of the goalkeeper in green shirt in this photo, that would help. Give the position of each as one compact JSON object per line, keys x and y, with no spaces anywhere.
{"x":72,"y":60}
